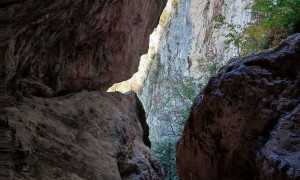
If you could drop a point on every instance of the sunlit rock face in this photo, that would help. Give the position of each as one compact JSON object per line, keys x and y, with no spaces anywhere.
{"x":186,"y":50}
{"x":56,"y":47}
{"x":245,"y":123}
{"x":80,"y":136}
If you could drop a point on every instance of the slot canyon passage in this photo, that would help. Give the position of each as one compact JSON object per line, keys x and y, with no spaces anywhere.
{"x":213,"y":93}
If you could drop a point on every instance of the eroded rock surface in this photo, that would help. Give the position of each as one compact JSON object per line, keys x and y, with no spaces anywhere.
{"x":88,"y":135}
{"x":57,"y":47}
{"x":185,"y":51}
{"x":246,"y":122}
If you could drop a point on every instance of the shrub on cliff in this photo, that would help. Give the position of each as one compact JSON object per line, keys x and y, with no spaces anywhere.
{"x":273,"y":20}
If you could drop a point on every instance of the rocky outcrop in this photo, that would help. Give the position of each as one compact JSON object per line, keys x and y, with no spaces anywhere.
{"x":245,"y":124}
{"x":57,"y":47}
{"x":88,"y":135}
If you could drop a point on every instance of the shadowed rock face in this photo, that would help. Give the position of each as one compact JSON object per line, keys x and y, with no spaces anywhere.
{"x":246,"y":122}
{"x":82,"y":136}
{"x":56,"y":47}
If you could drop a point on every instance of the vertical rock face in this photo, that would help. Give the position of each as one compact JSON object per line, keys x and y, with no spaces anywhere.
{"x":88,"y":135}
{"x":57,"y":47}
{"x":245,"y":124}
{"x":186,"y":52}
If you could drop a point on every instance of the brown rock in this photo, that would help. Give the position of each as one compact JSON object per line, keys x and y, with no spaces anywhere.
{"x":73,"y":45}
{"x":246,"y":123}
{"x":88,"y":135}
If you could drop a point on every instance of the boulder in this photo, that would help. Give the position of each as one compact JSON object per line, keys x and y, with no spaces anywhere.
{"x":246,"y":122}
{"x":80,"y":136}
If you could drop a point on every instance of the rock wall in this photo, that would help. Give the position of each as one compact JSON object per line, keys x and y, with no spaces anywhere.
{"x":87,"y":135}
{"x":187,"y":49}
{"x":56,"y":47}
{"x":51,"y":48}
{"x":245,"y":124}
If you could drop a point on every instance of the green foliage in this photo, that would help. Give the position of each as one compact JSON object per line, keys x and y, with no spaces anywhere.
{"x":276,"y":18}
{"x":186,"y":93}
{"x":234,"y":36}
{"x":219,"y":21}
{"x":165,"y":151}
{"x":213,"y":69}
{"x":273,"y":21}
{"x":183,"y":91}
{"x":277,"y":13}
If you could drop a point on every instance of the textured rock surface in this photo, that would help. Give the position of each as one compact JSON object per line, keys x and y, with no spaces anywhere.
{"x":66,"y":46}
{"x":88,"y":135}
{"x":189,"y":49}
{"x":184,"y":51}
{"x":246,"y":123}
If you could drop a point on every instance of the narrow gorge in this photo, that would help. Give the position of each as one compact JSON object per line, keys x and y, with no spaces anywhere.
{"x":149,"y":89}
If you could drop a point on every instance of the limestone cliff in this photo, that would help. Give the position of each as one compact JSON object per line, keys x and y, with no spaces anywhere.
{"x":245,"y":123}
{"x":189,"y":49}
{"x":184,"y":51}
{"x":81,"y":136}
{"x":56,"y":47}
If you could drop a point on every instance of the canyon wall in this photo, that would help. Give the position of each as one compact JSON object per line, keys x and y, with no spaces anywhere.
{"x":56,"y":47}
{"x":245,"y":123}
{"x":186,"y":51}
